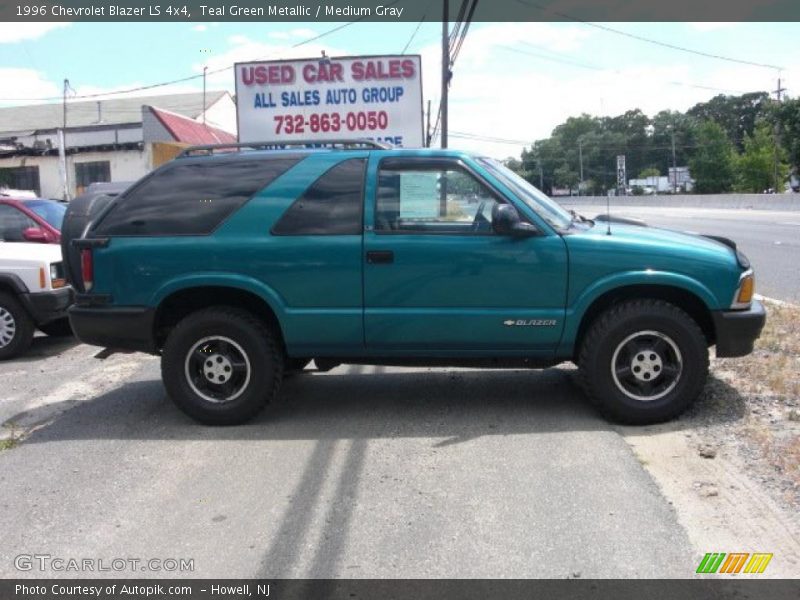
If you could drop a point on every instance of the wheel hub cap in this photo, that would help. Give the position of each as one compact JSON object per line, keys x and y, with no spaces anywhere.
{"x":217,"y":368}
{"x":646,"y":365}
{"x":8,"y":327}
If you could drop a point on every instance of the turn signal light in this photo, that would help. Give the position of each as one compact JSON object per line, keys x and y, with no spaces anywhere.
{"x":746,"y":289}
{"x":87,"y":269}
{"x":42,"y":279}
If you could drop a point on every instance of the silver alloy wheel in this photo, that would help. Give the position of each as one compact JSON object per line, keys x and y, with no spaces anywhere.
{"x":217,"y":369}
{"x":646,"y":365}
{"x":8,"y":327}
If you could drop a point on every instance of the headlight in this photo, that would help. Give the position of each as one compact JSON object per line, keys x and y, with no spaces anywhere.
{"x":745,"y":290}
{"x":57,"y":276}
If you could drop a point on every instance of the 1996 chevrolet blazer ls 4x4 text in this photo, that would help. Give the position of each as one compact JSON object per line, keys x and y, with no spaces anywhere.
{"x":239,"y":266}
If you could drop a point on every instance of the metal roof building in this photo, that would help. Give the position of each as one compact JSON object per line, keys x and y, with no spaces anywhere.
{"x":105,"y":140}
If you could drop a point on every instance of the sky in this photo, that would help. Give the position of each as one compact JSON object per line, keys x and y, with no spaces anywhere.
{"x":512,"y":82}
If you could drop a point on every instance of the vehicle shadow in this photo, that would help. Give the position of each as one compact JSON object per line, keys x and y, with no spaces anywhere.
{"x":371,"y":402}
{"x":45,"y":346}
{"x":446,"y":408}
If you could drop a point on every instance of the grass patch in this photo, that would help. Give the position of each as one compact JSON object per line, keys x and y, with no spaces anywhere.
{"x":8,"y":444}
{"x":769,"y":381}
{"x":774,"y":366}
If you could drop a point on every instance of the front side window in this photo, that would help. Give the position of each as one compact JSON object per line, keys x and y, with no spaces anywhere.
{"x":536,"y":200}
{"x":12,"y":223}
{"x":190,"y":198}
{"x":432,"y":199}
{"x":332,"y":205}
{"x":52,"y":212}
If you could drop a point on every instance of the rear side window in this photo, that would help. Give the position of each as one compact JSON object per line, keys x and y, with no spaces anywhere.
{"x":190,"y":198}
{"x":331,"y":205}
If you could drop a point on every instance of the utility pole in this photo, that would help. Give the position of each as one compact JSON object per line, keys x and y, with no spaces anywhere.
{"x":62,"y":144}
{"x":674,"y":163}
{"x":580,"y":158}
{"x":445,"y":67}
{"x":776,"y":139}
{"x":428,"y":127}
{"x":779,"y":91}
{"x":205,"y":68}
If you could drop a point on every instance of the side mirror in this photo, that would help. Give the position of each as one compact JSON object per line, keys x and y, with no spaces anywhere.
{"x":34,"y":234}
{"x":506,"y":221}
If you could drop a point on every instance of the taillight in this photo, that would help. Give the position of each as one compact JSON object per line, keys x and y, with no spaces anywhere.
{"x":87,"y":269}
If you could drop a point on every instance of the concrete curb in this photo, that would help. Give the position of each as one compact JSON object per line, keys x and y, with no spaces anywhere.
{"x":775,"y":301}
{"x":789,"y":202}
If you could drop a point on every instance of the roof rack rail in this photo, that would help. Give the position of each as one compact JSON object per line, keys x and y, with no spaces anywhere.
{"x":274,"y":145}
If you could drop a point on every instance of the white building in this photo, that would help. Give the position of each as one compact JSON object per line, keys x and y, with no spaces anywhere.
{"x":678,"y":178}
{"x":107,"y":140}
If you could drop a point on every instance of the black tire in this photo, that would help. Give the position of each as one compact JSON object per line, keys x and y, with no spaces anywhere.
{"x":57,"y":328}
{"x":16,"y":327}
{"x":623,"y":340}
{"x":251,"y":349}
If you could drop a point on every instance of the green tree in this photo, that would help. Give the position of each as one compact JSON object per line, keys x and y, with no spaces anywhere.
{"x":713,"y":162}
{"x":787,"y":116}
{"x":737,"y":115}
{"x":515,"y":165}
{"x":566,"y":178}
{"x":649,"y":172}
{"x":755,"y":167}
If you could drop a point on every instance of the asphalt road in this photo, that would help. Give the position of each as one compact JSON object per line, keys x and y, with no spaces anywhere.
{"x":360,"y":472}
{"x":770,"y":239}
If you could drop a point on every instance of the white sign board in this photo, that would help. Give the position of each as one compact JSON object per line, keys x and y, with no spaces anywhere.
{"x":375,"y":97}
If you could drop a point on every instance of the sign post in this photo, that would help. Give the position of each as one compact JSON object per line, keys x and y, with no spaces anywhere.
{"x":374,"y":97}
{"x":621,"y":174}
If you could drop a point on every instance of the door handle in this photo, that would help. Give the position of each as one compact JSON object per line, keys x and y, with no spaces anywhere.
{"x":380,"y":257}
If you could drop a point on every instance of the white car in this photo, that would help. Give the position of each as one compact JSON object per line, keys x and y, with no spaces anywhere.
{"x":33,"y":294}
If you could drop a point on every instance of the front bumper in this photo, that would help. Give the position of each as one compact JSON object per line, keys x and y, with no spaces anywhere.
{"x":129,"y":328}
{"x":737,"y":330}
{"x":45,"y":307}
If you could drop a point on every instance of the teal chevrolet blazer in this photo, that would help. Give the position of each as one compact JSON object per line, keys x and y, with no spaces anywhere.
{"x":241,"y":264}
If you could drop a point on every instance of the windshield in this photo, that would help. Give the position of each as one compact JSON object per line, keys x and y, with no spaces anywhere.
{"x":52,"y":212}
{"x":538,"y":201}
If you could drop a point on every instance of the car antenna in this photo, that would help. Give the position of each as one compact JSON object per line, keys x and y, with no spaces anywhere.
{"x":608,"y":213}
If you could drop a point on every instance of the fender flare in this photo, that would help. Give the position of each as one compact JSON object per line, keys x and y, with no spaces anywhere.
{"x":576,"y":311}
{"x":13,"y":281}
{"x":216,"y":279}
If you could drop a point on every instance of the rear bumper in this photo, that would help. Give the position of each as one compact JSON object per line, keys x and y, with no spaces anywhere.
{"x":129,"y":328}
{"x":737,"y":330}
{"x":46,"y":307}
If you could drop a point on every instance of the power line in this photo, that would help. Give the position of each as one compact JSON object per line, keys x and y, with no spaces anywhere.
{"x":603,"y":145}
{"x":617,"y":71}
{"x":190,"y":77}
{"x":681,"y":48}
{"x":649,"y":40}
{"x":470,"y":12}
{"x":455,"y":41}
{"x":416,"y":29}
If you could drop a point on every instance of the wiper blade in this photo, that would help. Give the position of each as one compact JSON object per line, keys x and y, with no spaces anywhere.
{"x":578,"y":217}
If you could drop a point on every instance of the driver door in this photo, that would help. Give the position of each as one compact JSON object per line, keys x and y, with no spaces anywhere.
{"x":438,"y":280}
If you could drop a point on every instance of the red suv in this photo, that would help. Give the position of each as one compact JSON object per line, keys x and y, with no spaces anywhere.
{"x":31,"y":220}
